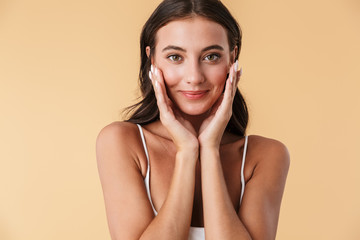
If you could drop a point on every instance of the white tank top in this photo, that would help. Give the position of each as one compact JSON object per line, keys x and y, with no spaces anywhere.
{"x":195,"y":233}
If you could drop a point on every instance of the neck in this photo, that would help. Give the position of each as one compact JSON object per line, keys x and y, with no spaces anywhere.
{"x":196,"y":120}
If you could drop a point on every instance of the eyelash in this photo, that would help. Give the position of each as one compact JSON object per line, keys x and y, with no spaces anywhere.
{"x":213,"y":54}
{"x":218,"y":56}
{"x":174,"y":55}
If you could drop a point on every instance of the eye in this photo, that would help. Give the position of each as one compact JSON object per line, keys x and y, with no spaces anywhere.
{"x":212,"y":57}
{"x":175,"y":58}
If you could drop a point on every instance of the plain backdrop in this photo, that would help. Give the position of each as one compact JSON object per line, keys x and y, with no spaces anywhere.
{"x":68,"y":68}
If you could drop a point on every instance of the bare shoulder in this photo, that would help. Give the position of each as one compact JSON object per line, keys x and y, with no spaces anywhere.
{"x":116,"y":130}
{"x":118,"y":141}
{"x":269,"y":164}
{"x":268,"y":151}
{"x":119,"y":153}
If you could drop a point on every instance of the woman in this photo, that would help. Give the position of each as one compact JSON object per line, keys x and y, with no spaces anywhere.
{"x":208,"y":179}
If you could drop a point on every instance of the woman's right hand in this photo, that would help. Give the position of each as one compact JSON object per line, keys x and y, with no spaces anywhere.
{"x":182,"y":132}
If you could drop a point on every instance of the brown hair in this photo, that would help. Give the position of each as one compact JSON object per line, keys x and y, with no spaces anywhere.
{"x":146,"y":110}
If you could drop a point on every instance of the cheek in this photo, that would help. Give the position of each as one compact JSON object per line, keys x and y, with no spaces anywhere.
{"x":172,"y":74}
{"x":217,"y":75}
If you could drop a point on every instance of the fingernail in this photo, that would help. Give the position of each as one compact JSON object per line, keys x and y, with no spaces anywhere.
{"x":150,"y":75}
{"x":156,"y":84}
{"x":152,"y":68}
{"x":240,"y":71}
{"x":236,"y":65}
{"x":156,"y":72}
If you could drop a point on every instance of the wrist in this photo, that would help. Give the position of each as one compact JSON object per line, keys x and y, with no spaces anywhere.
{"x":189,"y":147}
{"x":209,"y":155}
{"x":209,"y":149}
{"x":187,"y":157}
{"x":209,"y":142}
{"x":209,"y":146}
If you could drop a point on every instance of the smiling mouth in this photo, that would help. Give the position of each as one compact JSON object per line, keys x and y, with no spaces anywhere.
{"x":193,"y":95}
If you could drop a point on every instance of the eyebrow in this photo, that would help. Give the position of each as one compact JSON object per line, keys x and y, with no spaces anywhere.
{"x":172,"y":47}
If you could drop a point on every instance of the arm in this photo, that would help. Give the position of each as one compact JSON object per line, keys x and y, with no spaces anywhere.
{"x":221,"y":220}
{"x":122,"y":183}
{"x":128,"y":209}
{"x":174,"y":217}
{"x":259,"y":212}
{"x":260,"y":207}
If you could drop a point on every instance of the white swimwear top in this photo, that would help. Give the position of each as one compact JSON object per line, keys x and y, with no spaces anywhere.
{"x":195,"y":233}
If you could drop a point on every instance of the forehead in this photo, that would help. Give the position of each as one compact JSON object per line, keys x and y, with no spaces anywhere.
{"x":195,"y":32}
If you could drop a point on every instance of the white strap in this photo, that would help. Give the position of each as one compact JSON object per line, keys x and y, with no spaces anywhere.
{"x":147,"y":178}
{"x":143,"y":141}
{"x":242,"y":169}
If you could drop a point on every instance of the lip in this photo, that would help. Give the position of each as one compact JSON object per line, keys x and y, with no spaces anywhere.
{"x":193,"y":95}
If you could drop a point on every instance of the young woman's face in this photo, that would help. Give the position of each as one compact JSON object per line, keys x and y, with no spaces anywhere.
{"x":194,"y":56}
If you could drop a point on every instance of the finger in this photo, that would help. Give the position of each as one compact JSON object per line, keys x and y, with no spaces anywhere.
{"x":159,"y":76}
{"x":159,"y":94}
{"x":227,"y":98}
{"x":230,"y":88}
{"x":233,"y":70}
{"x":164,"y":103}
{"x":233,"y":79}
{"x":160,"y":85}
{"x":154,"y":84}
{"x":236,"y":78}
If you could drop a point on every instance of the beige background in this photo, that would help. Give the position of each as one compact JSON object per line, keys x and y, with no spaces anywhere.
{"x":68,"y":67}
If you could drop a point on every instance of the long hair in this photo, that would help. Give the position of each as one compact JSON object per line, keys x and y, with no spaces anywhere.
{"x":146,"y":110}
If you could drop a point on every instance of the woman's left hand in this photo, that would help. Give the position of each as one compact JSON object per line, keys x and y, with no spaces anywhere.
{"x":213,"y":127}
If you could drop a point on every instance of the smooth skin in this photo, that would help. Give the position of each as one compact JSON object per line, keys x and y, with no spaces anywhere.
{"x":195,"y":164}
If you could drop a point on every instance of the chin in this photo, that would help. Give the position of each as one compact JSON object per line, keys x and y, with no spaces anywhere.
{"x":194,"y":110}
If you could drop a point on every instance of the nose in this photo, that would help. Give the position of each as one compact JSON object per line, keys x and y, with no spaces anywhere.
{"x":194,"y":74}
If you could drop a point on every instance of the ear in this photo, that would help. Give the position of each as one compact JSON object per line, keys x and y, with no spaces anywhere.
{"x":148,"y":49}
{"x":148,"y":54}
{"x":233,"y":54}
